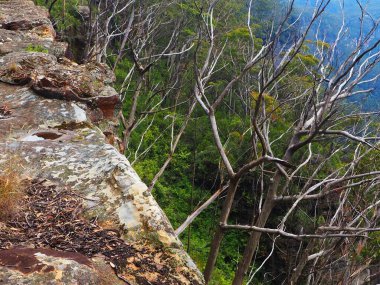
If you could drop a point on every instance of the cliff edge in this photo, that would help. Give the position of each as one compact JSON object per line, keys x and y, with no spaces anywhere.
{"x":75,"y":211}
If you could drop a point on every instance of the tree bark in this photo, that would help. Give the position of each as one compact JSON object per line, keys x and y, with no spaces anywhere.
{"x":269,"y":203}
{"x":198,"y":211}
{"x":125,"y":38}
{"x":301,"y":264}
{"x":218,"y":236}
{"x":132,"y":115}
{"x":254,"y":238}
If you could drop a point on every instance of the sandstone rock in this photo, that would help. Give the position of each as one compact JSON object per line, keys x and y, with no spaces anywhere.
{"x":53,"y":118}
{"x":46,"y":266}
{"x":67,"y":80}
{"x":26,"y":27}
{"x":18,"y":15}
{"x":13,"y":41}
{"x":19,"y":67}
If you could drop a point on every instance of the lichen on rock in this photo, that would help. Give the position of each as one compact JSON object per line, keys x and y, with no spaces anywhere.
{"x":52,"y":116}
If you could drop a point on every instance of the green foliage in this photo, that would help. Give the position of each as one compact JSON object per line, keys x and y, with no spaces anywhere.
{"x":272,"y":107}
{"x":370,"y":249}
{"x":308,"y":60}
{"x":36,"y":48}
{"x":189,"y":8}
{"x":65,"y":16}
{"x":196,"y":171}
{"x":238,"y":34}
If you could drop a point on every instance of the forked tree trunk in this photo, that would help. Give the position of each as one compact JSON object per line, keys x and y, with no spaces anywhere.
{"x":269,"y":203}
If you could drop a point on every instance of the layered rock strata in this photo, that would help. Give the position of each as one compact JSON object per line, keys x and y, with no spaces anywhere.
{"x":57,"y":122}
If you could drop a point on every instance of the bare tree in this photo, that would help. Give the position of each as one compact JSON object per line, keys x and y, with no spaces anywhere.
{"x":288,"y":78}
{"x":315,"y":118}
{"x":140,"y":32}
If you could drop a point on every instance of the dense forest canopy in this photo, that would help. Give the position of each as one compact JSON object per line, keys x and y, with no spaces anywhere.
{"x":242,"y":117}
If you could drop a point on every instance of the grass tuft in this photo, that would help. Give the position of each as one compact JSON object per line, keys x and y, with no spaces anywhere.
{"x":11,"y":190}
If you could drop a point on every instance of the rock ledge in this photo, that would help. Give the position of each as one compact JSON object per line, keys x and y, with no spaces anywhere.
{"x":57,"y":123}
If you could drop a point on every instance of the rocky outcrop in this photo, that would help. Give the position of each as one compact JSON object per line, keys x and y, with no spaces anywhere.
{"x":59,"y":78}
{"x":57,"y":121}
{"x":46,"y":266}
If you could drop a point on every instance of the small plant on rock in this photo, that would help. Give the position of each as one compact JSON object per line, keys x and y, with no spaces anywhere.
{"x":10,"y":190}
{"x":36,"y":48}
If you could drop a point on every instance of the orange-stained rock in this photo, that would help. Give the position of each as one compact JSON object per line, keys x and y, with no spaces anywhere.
{"x":46,"y":266}
{"x":65,"y":80}
{"x":58,"y":119}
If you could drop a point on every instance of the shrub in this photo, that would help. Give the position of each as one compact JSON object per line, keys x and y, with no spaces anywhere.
{"x":36,"y":48}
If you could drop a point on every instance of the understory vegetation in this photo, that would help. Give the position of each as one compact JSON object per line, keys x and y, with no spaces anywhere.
{"x":250,"y":100}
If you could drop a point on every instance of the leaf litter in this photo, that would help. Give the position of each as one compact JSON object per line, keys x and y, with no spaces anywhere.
{"x":50,"y":218}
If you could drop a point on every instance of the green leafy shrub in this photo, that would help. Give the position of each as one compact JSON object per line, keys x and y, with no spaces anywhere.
{"x":36,"y":48}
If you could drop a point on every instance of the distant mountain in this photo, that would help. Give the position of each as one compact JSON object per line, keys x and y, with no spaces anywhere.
{"x":332,"y":21}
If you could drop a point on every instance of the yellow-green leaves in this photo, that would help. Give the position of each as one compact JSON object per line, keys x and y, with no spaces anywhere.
{"x":271,"y":105}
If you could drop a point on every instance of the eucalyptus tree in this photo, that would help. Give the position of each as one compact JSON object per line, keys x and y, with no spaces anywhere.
{"x":313,"y":110}
{"x":301,"y":143}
